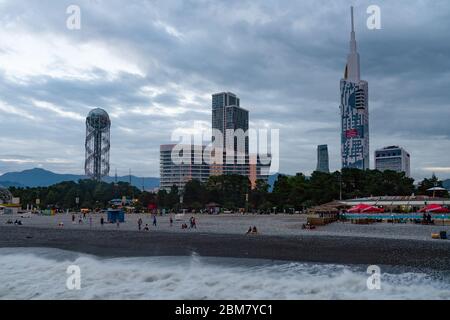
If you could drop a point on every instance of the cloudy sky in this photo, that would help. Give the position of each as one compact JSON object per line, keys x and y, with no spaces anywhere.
{"x":153,"y":66}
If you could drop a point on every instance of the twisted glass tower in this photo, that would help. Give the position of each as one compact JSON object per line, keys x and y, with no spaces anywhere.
{"x":97,"y":144}
{"x":354,"y":112}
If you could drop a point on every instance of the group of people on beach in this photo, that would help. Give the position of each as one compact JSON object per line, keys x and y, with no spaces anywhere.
{"x":146,"y":228}
{"x":427,"y":219}
{"x":82,"y":218}
{"x":16,"y":223}
{"x":253,"y":230}
{"x":192,"y":224}
{"x":155,"y":223}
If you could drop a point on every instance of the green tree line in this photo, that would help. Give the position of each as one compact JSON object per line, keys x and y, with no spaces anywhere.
{"x":234,"y":192}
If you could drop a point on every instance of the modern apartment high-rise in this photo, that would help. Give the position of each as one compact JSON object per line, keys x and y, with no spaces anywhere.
{"x":393,"y":158}
{"x":228,"y":116}
{"x":354,"y":111}
{"x":323,"y":164}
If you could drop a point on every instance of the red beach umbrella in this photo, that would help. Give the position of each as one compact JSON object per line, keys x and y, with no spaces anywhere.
{"x":435,"y":208}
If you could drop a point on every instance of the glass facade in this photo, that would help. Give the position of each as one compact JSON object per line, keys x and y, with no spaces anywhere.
{"x":228,"y":115}
{"x":322,"y":159}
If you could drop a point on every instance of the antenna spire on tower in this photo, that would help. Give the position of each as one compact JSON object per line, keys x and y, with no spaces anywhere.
{"x":353,"y":20}
{"x":352,"y":71}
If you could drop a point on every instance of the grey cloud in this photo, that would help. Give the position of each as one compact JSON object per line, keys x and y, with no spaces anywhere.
{"x":283,"y":58}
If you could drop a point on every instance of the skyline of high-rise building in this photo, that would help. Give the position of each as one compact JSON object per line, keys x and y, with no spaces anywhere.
{"x":228,"y":115}
{"x":354,"y":109}
{"x":323,"y":161}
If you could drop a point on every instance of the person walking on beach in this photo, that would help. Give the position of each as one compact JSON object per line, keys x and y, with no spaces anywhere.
{"x":118,"y":224}
{"x":102,"y":221}
{"x":193,"y":223}
{"x":154,"y":220}
{"x":90,"y":221}
{"x":73,"y":218}
{"x":140,"y":224}
{"x":171,"y":221}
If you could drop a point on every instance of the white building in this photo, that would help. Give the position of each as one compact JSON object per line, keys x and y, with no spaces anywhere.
{"x":393,"y":158}
{"x":178,"y":173}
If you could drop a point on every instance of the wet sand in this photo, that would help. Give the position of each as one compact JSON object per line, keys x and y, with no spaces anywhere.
{"x":303,"y":248}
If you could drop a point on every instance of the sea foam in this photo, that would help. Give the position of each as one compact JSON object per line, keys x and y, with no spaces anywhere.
{"x":41,"y":274}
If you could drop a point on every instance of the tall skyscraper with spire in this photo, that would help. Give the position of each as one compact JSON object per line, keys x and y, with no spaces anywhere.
{"x":354,"y":111}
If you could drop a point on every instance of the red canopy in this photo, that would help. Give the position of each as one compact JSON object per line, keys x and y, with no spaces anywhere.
{"x":364,"y":208}
{"x":435,"y":208}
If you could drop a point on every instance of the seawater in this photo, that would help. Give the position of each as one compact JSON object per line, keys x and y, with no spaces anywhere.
{"x":41,"y":274}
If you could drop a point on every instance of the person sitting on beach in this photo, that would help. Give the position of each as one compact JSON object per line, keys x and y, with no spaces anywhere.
{"x":146,"y":228}
{"x":249,"y":231}
{"x":254,"y":231}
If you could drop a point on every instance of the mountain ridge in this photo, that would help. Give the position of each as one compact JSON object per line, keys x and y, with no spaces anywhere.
{"x":446,"y":184}
{"x":38,"y":177}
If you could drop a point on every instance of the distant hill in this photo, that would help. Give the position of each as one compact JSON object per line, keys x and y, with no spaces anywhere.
{"x":447,"y":184}
{"x":8,"y":184}
{"x":44,"y":178}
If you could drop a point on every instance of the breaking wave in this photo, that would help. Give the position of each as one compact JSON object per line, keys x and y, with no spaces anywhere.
{"x":41,"y":274}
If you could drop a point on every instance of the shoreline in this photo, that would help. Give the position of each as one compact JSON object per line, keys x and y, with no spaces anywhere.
{"x":344,"y":250}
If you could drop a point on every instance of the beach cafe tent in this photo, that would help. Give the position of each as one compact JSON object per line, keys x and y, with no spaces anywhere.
{"x":435,"y":208}
{"x":364,"y":208}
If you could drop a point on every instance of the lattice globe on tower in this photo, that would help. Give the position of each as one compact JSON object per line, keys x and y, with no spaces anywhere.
{"x":97,"y":144}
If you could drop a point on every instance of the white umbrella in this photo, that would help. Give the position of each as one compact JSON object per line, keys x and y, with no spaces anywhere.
{"x":436,"y":189}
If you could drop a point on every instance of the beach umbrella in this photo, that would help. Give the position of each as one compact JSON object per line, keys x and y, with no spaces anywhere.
{"x":364,"y":208}
{"x":435,"y":208}
{"x":436,"y":189}
{"x":373,"y":209}
{"x":358,"y":208}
